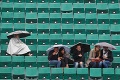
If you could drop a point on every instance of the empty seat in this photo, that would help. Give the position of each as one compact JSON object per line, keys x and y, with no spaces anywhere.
{"x":43,"y":28}
{"x":79,"y":18}
{"x":5,"y":61}
{"x":103,"y":29}
{"x":43,"y":39}
{"x":30,"y":61}
{"x":54,"y":1}
{"x":68,"y":39}
{"x":42,"y":49}
{"x":113,"y":1}
{"x":4,"y":49}
{"x":92,"y":39}
{"x":80,"y":38}
{"x":116,"y":62}
{"x":55,"y":18}
{"x":4,"y":41}
{"x":33,"y":49}
{"x":32,"y":39}
{"x":43,"y":8}
{"x":78,"y":7}
{"x":117,"y":73}
{"x":31,"y":7}
{"x":55,"y":28}
{"x":115,"y":29}
{"x":102,"y":1}
{"x":67,"y":28}
{"x":31,"y":1}
{"x":19,"y":1}
{"x":79,"y":29}
{"x":54,"y":7}
{"x":91,"y":29}
{"x":66,"y":7}
{"x":43,"y":17}
{"x":105,"y":38}
{"x":93,"y":72}
{"x":114,"y":19}
{"x":31,"y":17}
{"x":90,"y":7}
{"x":19,"y":26}
{"x":82,"y":73}
{"x":115,"y":39}
{"x":19,"y":7}
{"x":108,"y":74}
{"x":67,"y":18}
{"x":43,"y":1}
{"x":116,"y":53}
{"x":91,"y":18}
{"x":18,"y":61}
{"x":66,"y":1}
{"x":113,"y":8}
{"x":103,"y":18}
{"x":31,"y":28}
{"x":6,"y":27}
{"x":102,"y":8}
{"x":42,"y":61}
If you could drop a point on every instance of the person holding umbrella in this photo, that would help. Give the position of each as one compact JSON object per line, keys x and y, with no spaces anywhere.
{"x":16,"y":46}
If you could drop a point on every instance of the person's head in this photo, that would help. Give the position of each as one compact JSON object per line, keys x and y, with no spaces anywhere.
{"x":105,"y":48}
{"x":78,"y":47}
{"x":62,"y":50}
{"x":56,"y":49}
{"x":97,"y":48}
{"x":16,"y":36}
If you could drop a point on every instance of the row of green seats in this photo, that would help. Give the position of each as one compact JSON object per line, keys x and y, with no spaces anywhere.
{"x":35,"y":73}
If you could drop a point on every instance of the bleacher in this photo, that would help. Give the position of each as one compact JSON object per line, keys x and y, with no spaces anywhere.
{"x":52,"y":22}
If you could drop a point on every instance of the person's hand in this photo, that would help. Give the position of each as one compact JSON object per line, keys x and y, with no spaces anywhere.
{"x":59,"y":59}
{"x":54,"y":53}
{"x":97,"y":58}
{"x":104,"y":57}
{"x":80,"y":55}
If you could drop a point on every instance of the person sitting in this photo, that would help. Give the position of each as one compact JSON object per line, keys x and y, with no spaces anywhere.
{"x":106,"y":56}
{"x":65,"y":58}
{"x":94,"y":57}
{"x":53,"y":57}
{"x":78,"y":57}
{"x":17,"y":47}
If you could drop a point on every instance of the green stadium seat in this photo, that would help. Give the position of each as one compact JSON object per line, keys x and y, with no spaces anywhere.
{"x":70,"y":73}
{"x":5,"y":73}
{"x":4,"y":49}
{"x":5,"y":61}
{"x":31,"y":7}
{"x":82,"y":73}
{"x":80,"y":38}
{"x":113,"y":1}
{"x":31,"y":17}
{"x":117,"y":73}
{"x":56,"y":73}
{"x":114,"y":8}
{"x":105,"y":38}
{"x":92,"y":39}
{"x":91,"y":29}
{"x":78,"y":1}
{"x":54,"y":1}
{"x":55,"y":28}
{"x":79,"y":29}
{"x":43,"y":7}
{"x":66,"y":1}
{"x":116,"y":53}
{"x":67,"y":18}
{"x":43,"y":39}
{"x":4,"y":41}
{"x":90,"y":7}
{"x":8,"y":1}
{"x":91,"y":18}
{"x":6,"y":27}
{"x":31,"y":73}
{"x":18,"y":73}
{"x":19,"y":26}
{"x":19,"y":1}
{"x":102,"y":7}
{"x":42,"y":61}
{"x":114,"y":18}
{"x":19,"y":17}
{"x":7,"y":6}
{"x":7,"y":15}
{"x":66,"y":7}
{"x":115,"y":40}
{"x":55,"y":18}
{"x":43,"y":28}
{"x":115,"y":29}
{"x":67,"y":28}
{"x":90,"y":1}
{"x":116,"y":62}
{"x":32,"y":39}
{"x":54,"y":7}
{"x":33,"y":49}
{"x":43,"y":1}
{"x":19,"y":7}
{"x":30,"y":61}
{"x":55,"y":39}
{"x":101,"y":1}
{"x":68,"y":39}
{"x":93,"y":72}
{"x":43,"y":18}
{"x":103,"y":18}
{"x":78,"y":7}
{"x":31,"y":1}
{"x":18,"y":61}
{"x":44,"y":73}
{"x":108,"y":74}
{"x":79,"y":18}
{"x":31,"y":28}
{"x":103,"y":29}
{"x":42,"y":49}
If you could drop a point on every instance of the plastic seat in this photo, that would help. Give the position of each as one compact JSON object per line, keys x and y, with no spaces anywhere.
{"x":19,"y":1}
{"x":31,"y":7}
{"x":67,"y":18}
{"x":56,"y":73}
{"x":114,"y":18}
{"x":43,"y":8}
{"x":102,"y":7}
{"x":103,"y":18}
{"x":7,"y":6}
{"x":43,"y":18}
{"x":78,"y":7}
{"x":79,"y":18}
{"x":115,"y":40}
{"x":78,"y":1}
{"x":5,"y":73}
{"x":30,"y":61}
{"x":42,"y":61}
{"x":43,"y":39}
{"x":108,"y":73}
{"x":80,"y":38}
{"x":104,"y":38}
{"x":115,"y":29}
{"x":66,"y":7}
{"x":101,"y":1}
{"x":31,"y":1}
{"x":79,"y":29}
{"x":113,"y":1}
{"x":44,"y":73}
{"x":18,"y":61}
{"x":116,"y":62}
{"x":19,"y":26}
{"x":33,"y":49}
{"x":103,"y":29}
{"x":54,"y":7}
{"x":32,"y":39}
{"x":19,"y":17}
{"x":116,"y":53}
{"x":31,"y":17}
{"x":42,"y":49}
{"x":82,"y":73}
{"x":4,"y":49}
{"x":91,"y":29}
{"x":91,"y":18}
{"x":31,"y":73}
{"x":92,"y":39}
{"x":55,"y":18}
{"x":55,"y":28}
{"x":90,"y":7}
{"x":6,"y":27}
{"x":43,"y":28}
{"x":31,"y":28}
{"x":90,"y":1}
{"x":117,"y":73}
{"x":7,"y":17}
{"x":55,"y":39}
{"x":114,"y":8}
{"x":68,"y":39}
{"x":93,"y":72}
{"x":67,"y":28}
{"x":43,"y":1}
{"x":69,"y":73}
{"x":5,"y":61}
{"x":19,"y":7}
{"x":18,"y":73}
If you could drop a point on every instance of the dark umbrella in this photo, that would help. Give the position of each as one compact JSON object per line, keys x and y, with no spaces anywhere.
{"x":85,"y":47}
{"x":21,"y":34}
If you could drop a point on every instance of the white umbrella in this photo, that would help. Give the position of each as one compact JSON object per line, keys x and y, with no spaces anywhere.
{"x":104,"y":44}
{"x":20,"y":33}
{"x":67,"y":49}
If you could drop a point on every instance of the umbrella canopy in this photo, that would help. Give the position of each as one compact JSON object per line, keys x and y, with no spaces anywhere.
{"x":104,"y":44}
{"x":21,"y":34}
{"x":85,"y":47}
{"x":67,"y":49}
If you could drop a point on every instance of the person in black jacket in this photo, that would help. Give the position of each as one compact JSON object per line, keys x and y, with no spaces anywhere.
{"x":53,"y":57}
{"x":106,"y":56}
{"x":78,"y":57}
